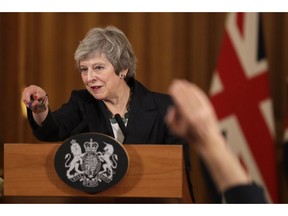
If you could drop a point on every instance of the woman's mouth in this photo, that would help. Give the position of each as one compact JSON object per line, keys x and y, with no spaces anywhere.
{"x":95,"y":88}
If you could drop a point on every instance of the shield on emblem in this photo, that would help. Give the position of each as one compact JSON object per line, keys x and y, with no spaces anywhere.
{"x":91,"y":162}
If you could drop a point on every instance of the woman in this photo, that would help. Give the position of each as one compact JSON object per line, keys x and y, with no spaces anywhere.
{"x":107,"y":66}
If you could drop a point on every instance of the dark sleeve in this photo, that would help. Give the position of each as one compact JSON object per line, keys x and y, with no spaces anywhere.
{"x":58,"y":125}
{"x":48,"y":131}
{"x":248,"y":193}
{"x":163,"y":102}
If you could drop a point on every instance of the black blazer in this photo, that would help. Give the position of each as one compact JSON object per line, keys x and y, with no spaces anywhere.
{"x":83,"y":113}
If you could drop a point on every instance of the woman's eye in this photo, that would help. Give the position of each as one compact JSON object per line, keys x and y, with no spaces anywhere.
{"x":98,"y":67}
{"x":83,"y":70}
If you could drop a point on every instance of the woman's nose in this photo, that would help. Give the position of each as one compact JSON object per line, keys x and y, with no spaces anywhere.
{"x":91,"y":75}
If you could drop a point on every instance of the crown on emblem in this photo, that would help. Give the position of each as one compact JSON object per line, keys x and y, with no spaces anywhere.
{"x":91,"y":146}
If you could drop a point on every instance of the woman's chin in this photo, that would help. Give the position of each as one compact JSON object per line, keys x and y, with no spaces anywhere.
{"x":98,"y":96}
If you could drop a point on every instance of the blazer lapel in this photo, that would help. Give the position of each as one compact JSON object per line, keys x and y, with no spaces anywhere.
{"x":98,"y":120}
{"x":142,"y":116}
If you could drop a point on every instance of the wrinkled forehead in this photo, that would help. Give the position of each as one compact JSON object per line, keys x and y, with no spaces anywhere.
{"x":93,"y":55}
{"x":96,"y":58}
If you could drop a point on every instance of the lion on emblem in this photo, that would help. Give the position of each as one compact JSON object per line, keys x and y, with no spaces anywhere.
{"x":76,"y":161}
{"x":106,"y":157}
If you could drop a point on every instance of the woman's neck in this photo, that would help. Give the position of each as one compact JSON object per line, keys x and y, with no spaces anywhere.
{"x":120,"y":103}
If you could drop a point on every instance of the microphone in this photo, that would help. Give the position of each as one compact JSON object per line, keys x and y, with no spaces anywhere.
{"x":121,"y":124}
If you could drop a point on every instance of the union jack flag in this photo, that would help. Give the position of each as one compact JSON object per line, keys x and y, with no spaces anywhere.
{"x":241,"y":97}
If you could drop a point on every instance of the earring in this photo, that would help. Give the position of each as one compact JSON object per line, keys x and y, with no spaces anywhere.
{"x":122,"y":76}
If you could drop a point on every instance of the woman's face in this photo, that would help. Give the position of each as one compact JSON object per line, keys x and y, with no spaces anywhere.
{"x":99,"y":77}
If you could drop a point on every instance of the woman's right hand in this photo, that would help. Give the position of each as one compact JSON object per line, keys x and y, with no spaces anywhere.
{"x":35,"y":98}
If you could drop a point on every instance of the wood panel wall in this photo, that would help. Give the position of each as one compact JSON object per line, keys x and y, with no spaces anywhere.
{"x":38,"y":48}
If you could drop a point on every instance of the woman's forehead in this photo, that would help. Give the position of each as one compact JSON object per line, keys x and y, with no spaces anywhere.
{"x":94,"y":58}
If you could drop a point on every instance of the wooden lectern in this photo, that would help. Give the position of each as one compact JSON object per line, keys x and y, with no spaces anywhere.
{"x":156,"y":174}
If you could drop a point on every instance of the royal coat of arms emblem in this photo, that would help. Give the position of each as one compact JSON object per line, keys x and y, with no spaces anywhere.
{"x":91,"y":162}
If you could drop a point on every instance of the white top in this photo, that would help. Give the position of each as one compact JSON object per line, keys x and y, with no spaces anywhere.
{"x":117,"y":132}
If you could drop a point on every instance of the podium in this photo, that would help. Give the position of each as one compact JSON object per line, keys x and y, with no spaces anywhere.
{"x":156,"y":174}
